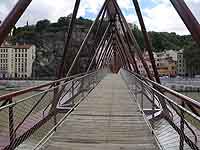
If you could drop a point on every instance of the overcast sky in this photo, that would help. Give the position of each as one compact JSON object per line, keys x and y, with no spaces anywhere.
{"x":159,"y":15}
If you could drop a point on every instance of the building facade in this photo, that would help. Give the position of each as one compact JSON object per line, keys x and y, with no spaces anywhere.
{"x":181,"y":64}
{"x":16,"y":61}
{"x":165,"y":63}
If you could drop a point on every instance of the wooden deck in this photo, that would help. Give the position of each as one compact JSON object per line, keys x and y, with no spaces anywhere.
{"x":108,"y":119}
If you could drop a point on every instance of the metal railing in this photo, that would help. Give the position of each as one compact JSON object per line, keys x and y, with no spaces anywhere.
{"x":28,"y":115}
{"x":177,"y":126}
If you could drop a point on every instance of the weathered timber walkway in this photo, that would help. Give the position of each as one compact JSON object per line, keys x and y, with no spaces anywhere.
{"x":107,"y":119}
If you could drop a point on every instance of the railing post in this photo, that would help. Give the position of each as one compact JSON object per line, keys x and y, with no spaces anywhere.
{"x":55,"y":94}
{"x":12,"y":133}
{"x":135,"y":88}
{"x":82,"y":87}
{"x":181,"y":146}
{"x":142,"y":95}
{"x":72,"y":92}
{"x":153,"y":108}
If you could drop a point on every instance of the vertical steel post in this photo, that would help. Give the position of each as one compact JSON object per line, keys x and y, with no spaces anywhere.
{"x":142,"y":96}
{"x":146,"y":40}
{"x":181,"y":145}
{"x":72,"y":91}
{"x":12,"y":133}
{"x":153,"y":108}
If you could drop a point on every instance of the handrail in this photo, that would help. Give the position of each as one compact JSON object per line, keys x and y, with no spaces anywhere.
{"x":23,"y":91}
{"x":183,"y":123}
{"x":179,"y":95}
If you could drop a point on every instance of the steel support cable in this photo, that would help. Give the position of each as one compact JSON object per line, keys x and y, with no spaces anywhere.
{"x":87,"y":37}
{"x":120,"y":56}
{"x":79,"y":51}
{"x":138,"y":50}
{"x":118,"y":46}
{"x":99,"y":27}
{"x":67,"y":41}
{"x":122,"y":48}
{"x":146,"y":40}
{"x":97,"y":36}
{"x":106,"y":54}
{"x":99,"y":46}
{"x":28,"y":132}
{"x":45,"y":139}
{"x":188,"y":141}
{"x":107,"y":58}
{"x":109,"y":44}
{"x":128,"y":54}
{"x":103,"y":49}
{"x":121,"y":53}
{"x":185,"y":122}
{"x":129,"y":45}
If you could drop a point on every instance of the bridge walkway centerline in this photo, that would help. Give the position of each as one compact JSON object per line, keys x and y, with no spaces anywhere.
{"x":107,"y":118}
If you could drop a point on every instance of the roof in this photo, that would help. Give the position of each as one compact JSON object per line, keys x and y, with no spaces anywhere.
{"x":23,"y":46}
{"x":18,"y":46}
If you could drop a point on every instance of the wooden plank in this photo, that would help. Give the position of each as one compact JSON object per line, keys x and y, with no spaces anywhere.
{"x":107,"y":119}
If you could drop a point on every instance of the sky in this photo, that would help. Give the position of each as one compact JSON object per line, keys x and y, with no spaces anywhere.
{"x":159,"y":15}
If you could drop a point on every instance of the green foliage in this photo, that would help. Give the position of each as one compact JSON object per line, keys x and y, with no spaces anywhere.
{"x":192,"y":57}
{"x":138,"y":35}
{"x":83,"y":21}
{"x":63,"y":21}
{"x":162,"y":40}
{"x":42,"y":25}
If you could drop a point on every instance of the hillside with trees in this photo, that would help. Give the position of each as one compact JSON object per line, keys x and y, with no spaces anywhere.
{"x":49,"y":39}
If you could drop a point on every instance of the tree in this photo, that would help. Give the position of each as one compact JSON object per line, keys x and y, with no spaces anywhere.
{"x":192,"y":58}
{"x":63,"y":21}
{"x":42,"y":25}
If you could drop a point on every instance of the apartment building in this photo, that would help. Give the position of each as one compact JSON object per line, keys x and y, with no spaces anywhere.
{"x":16,"y":61}
{"x":181,"y":64}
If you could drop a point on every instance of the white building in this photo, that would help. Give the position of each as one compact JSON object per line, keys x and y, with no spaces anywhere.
{"x":16,"y":61}
{"x":161,"y":58}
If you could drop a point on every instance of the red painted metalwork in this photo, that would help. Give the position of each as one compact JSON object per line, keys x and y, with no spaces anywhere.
{"x":146,"y":40}
{"x":62,"y":69}
{"x":188,"y":18}
{"x":12,"y":18}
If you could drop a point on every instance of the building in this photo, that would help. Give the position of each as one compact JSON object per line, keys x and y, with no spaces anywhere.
{"x":16,"y":61}
{"x":165,"y":63}
{"x":181,"y":64}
